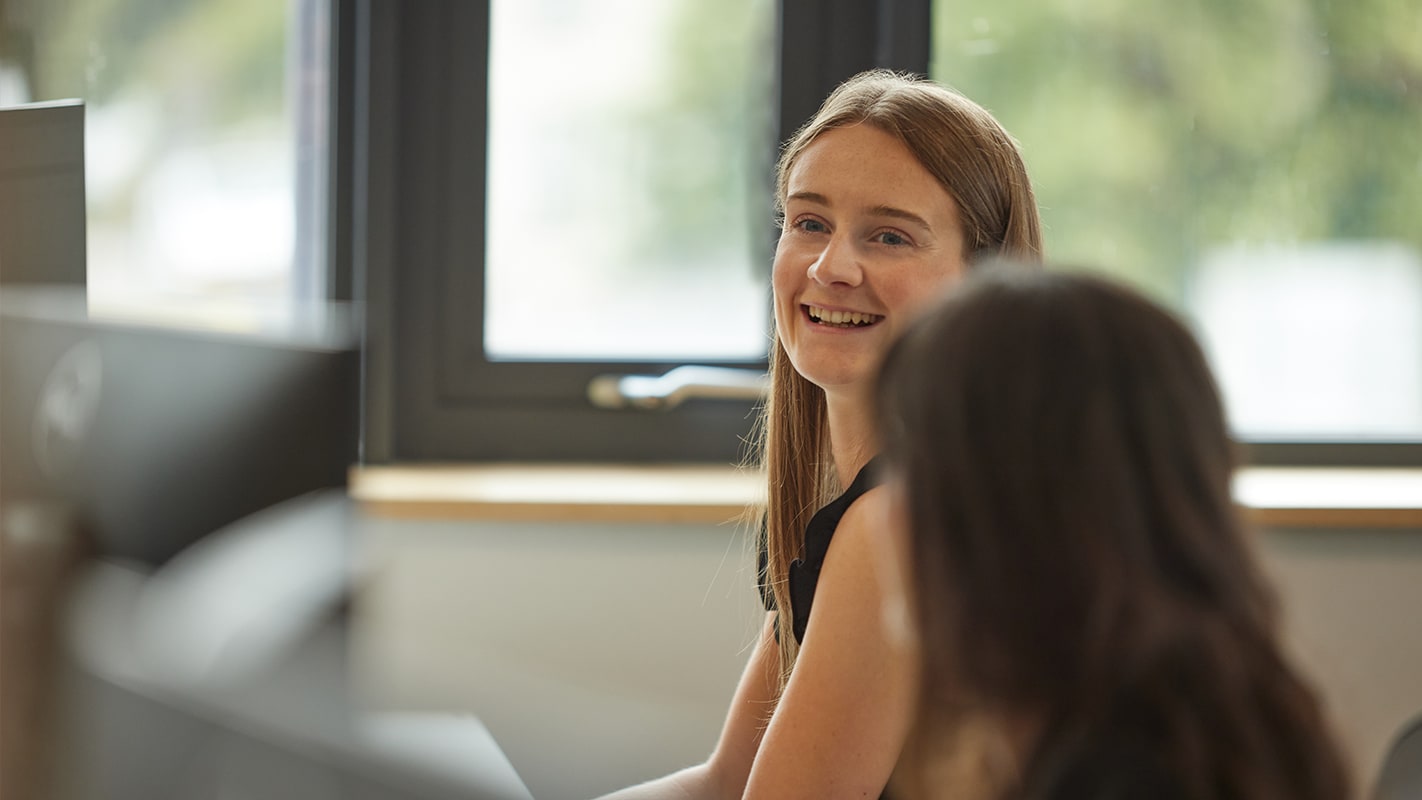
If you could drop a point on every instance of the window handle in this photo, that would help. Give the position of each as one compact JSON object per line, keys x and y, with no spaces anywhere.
{"x":654,"y":393}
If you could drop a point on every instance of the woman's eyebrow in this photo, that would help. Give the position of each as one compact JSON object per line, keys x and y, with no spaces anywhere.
{"x":899,"y":213}
{"x":809,"y":197}
{"x":878,"y":211}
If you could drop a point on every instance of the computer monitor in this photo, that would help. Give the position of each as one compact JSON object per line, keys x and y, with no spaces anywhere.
{"x":42,"y":213}
{"x":151,"y":437}
{"x":125,"y":443}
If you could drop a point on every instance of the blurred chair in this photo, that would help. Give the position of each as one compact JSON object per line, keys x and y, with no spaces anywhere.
{"x":1401,"y":775}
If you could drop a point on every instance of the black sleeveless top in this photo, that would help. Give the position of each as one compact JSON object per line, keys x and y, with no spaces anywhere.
{"x":805,"y":571}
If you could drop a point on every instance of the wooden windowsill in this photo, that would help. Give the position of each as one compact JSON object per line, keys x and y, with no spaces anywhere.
{"x":1288,"y":497}
{"x":1331,"y":497}
{"x":558,"y":492}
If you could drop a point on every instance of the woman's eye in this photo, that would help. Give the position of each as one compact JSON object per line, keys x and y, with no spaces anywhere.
{"x":891,"y":238}
{"x":811,"y":225}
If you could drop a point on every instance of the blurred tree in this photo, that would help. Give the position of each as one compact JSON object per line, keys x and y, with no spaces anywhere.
{"x":1156,"y":129}
{"x":200,"y":89}
{"x":229,"y":52}
{"x":709,"y":133}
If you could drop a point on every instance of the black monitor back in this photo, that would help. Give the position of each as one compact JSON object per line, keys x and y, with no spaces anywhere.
{"x":152,"y":437}
{"x":42,"y":212}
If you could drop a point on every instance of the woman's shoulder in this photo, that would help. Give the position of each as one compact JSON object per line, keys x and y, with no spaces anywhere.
{"x":859,"y":545}
{"x":859,"y":511}
{"x":868,"y":518}
{"x":848,"y":706}
{"x":825,"y":524}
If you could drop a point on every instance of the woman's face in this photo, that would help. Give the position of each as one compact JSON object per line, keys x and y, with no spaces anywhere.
{"x":870,"y":237}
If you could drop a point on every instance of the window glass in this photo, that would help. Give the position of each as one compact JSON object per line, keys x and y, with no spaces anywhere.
{"x":205,"y":138}
{"x":1257,"y":165}
{"x":630,"y":151}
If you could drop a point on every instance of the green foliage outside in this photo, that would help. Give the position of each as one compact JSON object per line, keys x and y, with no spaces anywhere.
{"x":199,"y":70}
{"x":229,"y":55}
{"x":1154,"y":130}
{"x":709,"y":132}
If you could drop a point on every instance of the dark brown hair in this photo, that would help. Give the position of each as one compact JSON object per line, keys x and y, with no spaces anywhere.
{"x":1077,"y":557}
{"x":978,"y":163}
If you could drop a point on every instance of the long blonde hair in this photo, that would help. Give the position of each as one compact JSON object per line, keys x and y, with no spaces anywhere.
{"x":978,"y":162}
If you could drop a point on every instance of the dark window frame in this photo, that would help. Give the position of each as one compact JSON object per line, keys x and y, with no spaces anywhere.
{"x":407,"y":207}
{"x":410,"y":155}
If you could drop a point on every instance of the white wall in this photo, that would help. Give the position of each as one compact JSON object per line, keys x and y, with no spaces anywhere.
{"x":601,"y":655}
{"x":1353,"y":617}
{"x":598,"y":655}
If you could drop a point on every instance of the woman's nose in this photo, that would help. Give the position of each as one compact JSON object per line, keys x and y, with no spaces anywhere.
{"x":837,"y":263}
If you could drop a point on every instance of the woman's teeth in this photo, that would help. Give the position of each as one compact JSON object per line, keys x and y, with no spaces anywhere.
{"x":842,"y":319}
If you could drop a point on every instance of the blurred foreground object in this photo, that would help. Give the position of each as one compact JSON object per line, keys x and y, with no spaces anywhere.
{"x":224,"y":674}
{"x":40,"y":549}
{"x":1401,"y":776}
{"x":43,"y":232}
{"x":153,"y":437}
{"x":178,"y":496}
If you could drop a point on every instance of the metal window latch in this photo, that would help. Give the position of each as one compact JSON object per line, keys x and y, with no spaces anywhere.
{"x":665,"y":392}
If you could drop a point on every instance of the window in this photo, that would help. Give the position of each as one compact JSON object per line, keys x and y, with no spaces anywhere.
{"x":590,"y":196}
{"x":1255,"y":166}
{"x":627,"y":199}
{"x":495,"y":164}
{"x":206,"y":144}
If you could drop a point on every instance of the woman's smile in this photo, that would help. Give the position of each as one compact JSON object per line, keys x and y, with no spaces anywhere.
{"x":832,"y":318}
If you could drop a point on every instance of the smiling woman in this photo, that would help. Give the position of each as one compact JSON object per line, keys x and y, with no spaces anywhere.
{"x":868,"y":235}
{"x":917,"y":178}
{"x":887,"y":196}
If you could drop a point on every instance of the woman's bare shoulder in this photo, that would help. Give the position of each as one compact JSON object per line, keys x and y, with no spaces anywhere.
{"x":866,"y":524}
{"x":846,"y":711}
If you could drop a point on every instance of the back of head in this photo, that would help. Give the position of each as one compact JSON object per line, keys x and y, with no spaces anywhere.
{"x":1077,"y":556}
{"x":1064,"y":434}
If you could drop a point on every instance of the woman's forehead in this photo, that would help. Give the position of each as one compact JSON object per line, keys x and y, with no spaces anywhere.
{"x":865,"y":168}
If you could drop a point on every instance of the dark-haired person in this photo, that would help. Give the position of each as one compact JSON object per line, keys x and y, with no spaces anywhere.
{"x":1089,"y":621}
{"x":885,"y":197}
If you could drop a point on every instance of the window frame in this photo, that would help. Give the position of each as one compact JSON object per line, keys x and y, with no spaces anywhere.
{"x":414,"y":81}
{"x":407,"y":206}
